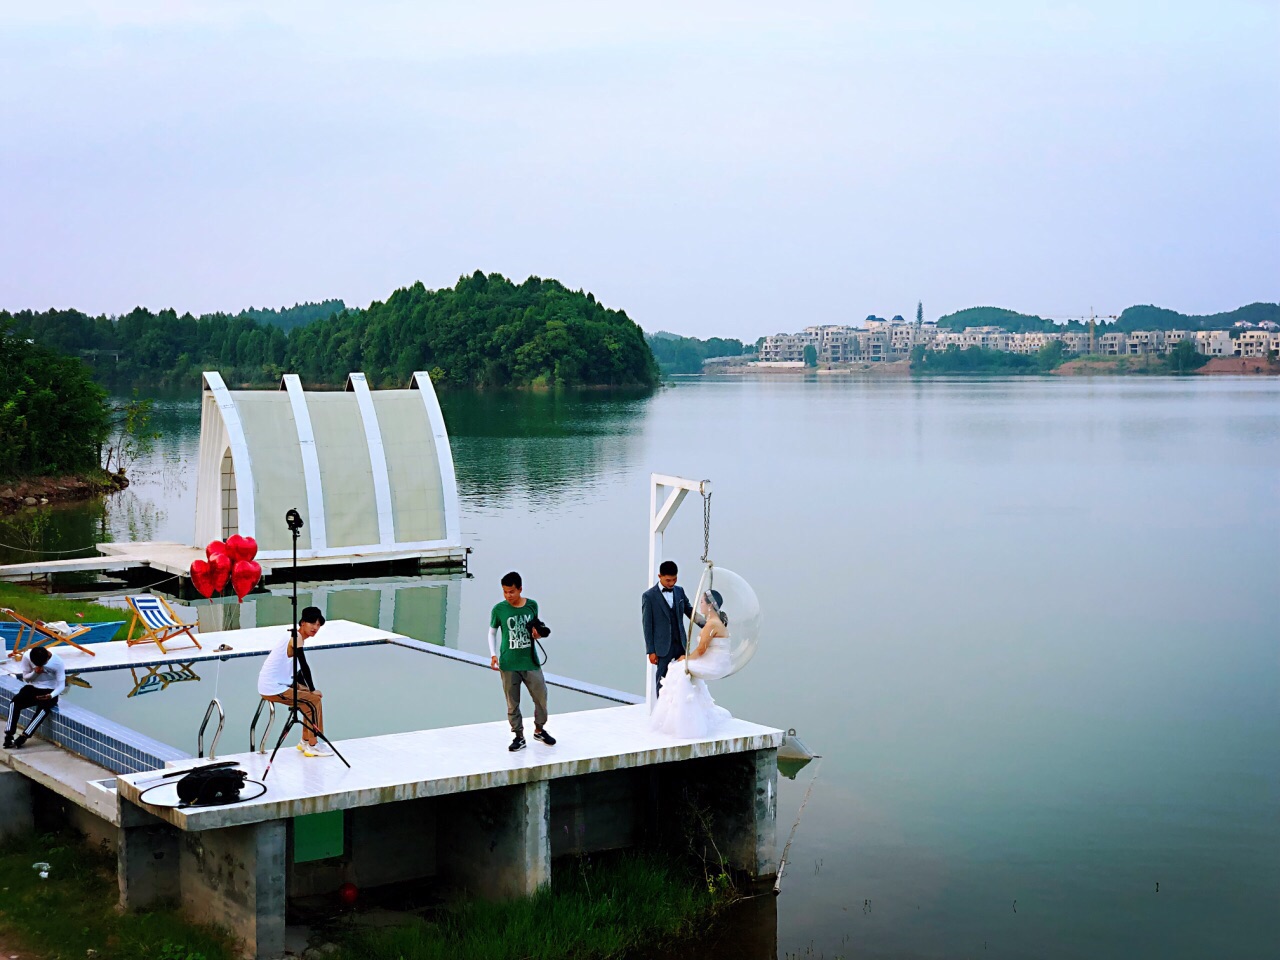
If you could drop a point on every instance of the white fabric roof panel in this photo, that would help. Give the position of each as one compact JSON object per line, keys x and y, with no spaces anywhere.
{"x":279,"y":483}
{"x":370,"y":471}
{"x":351,"y":513}
{"x":417,"y":498}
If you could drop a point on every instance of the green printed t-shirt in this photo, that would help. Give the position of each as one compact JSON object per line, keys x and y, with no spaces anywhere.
{"x":515,"y":651}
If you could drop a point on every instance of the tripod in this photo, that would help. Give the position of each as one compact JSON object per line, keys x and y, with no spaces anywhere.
{"x":294,"y":521}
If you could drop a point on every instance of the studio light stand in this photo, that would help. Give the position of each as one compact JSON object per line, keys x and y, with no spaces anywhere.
{"x":293,"y":520}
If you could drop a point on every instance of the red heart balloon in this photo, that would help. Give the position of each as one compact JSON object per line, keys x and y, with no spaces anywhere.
{"x":241,"y":548}
{"x":233,"y":547}
{"x":220,"y":564}
{"x":215,"y":546}
{"x":202,"y":578}
{"x":243,"y":576}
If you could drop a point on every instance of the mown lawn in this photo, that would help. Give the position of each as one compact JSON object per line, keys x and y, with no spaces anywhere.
{"x":39,"y":606}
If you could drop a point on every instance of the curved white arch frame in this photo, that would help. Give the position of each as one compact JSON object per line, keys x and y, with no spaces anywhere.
{"x":241,"y":462}
{"x":310,"y":461}
{"x":448,"y":479}
{"x":236,"y":440}
{"x":358,"y":385}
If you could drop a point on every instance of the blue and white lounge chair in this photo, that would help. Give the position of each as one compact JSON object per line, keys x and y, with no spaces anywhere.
{"x":158,"y":622}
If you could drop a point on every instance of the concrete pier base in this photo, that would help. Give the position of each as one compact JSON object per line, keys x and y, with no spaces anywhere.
{"x":233,"y":878}
{"x":16,"y":811}
{"x":725,"y":807}
{"x":496,"y":843}
{"x":147,"y":859}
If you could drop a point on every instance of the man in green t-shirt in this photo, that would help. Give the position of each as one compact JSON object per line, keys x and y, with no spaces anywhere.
{"x":511,"y":650}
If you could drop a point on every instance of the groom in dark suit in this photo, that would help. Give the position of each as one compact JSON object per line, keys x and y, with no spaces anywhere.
{"x":663,"y":608}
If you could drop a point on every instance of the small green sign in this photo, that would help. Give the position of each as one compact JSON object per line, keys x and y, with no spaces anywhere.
{"x":317,"y":836}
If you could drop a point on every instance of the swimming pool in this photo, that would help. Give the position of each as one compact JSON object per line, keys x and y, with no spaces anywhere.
{"x":368,"y":690}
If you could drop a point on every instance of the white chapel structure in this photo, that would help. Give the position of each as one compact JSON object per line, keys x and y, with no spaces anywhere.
{"x":370,"y":471}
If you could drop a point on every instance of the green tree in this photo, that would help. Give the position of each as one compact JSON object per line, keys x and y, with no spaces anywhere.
{"x":1051,"y":355}
{"x":1185,"y":358}
{"x":52,"y":415}
{"x":810,"y":355}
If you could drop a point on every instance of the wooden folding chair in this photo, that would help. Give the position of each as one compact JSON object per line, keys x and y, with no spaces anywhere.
{"x":158,"y":622}
{"x":36,"y":634}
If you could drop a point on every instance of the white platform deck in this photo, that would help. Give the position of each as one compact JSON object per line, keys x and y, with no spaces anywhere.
{"x":427,"y":763}
{"x":176,"y":558}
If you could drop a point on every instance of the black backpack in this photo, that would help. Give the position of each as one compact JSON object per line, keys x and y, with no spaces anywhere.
{"x":207,"y":786}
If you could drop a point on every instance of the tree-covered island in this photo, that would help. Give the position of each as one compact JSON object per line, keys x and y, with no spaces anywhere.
{"x":485,"y":331}
{"x":57,"y":422}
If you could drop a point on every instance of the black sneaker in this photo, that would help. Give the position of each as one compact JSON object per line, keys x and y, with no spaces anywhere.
{"x":17,"y":744}
{"x":517,"y":743}
{"x":8,"y":743}
{"x":544,"y":737}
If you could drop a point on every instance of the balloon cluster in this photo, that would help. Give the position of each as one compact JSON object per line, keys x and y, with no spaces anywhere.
{"x":233,"y":561}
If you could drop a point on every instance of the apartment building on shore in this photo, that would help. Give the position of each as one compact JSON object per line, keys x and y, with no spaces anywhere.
{"x":887,"y":340}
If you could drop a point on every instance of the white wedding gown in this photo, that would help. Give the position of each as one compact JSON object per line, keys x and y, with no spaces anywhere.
{"x":685,"y":708}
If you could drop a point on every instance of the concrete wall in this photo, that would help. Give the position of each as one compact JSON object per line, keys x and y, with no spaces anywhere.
{"x":235,"y":877}
{"x":16,"y":810}
{"x":599,"y":811}
{"x":724,"y":807}
{"x":391,"y":843}
{"x":496,"y":843}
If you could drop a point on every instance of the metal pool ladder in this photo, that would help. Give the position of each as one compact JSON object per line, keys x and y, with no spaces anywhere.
{"x":261,"y":745}
{"x":214,"y":704}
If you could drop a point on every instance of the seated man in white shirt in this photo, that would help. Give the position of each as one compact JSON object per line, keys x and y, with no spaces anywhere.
{"x":275,"y":681}
{"x":45,"y":678}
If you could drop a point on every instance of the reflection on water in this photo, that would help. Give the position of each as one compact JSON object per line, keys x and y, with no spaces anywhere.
{"x":157,"y":677}
{"x":549,"y":443}
{"x":423,"y":608}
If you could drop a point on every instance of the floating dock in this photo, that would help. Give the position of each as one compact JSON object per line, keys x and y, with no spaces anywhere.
{"x":449,"y":803}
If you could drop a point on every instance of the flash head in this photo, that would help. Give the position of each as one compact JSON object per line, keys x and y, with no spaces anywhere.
{"x":294,"y":519}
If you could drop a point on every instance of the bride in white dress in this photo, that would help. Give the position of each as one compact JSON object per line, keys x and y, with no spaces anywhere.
{"x":685,"y":708}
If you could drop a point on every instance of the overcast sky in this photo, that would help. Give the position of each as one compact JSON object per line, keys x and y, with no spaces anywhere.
{"x":712,"y":168}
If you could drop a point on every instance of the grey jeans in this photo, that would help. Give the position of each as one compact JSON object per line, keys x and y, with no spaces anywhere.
{"x":511,"y":680}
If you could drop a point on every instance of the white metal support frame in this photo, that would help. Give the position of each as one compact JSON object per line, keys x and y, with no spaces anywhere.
{"x":666,"y":493}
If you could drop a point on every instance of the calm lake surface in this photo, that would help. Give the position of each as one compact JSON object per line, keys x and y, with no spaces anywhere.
{"x":1031,"y":626}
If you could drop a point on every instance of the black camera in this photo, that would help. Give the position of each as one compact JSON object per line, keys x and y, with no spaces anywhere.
{"x":537,"y":626}
{"x":293,"y":520}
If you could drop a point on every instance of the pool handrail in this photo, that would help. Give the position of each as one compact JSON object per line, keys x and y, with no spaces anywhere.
{"x":254,"y":743}
{"x":215,"y":703}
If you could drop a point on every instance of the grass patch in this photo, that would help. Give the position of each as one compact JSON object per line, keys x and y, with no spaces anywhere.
{"x":74,"y":910}
{"x":596,"y":908}
{"x":40,"y":606}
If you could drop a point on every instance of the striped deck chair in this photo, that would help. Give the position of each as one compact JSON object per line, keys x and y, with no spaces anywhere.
{"x":34,"y":633}
{"x":158,"y":622}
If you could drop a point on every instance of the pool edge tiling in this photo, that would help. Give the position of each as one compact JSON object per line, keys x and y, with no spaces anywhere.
{"x":95,"y":738}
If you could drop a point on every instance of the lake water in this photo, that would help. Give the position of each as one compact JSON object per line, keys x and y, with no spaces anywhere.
{"x":1031,"y":626}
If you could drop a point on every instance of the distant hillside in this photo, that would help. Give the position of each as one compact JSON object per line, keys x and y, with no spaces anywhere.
{"x":484,"y":331}
{"x":299,"y":315}
{"x":677,"y":354}
{"x":994,"y":317}
{"x":1144,"y":317}
{"x":1147,"y":317}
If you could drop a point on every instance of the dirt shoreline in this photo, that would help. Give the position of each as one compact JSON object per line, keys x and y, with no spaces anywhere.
{"x":1134,"y":366}
{"x":45,"y":491}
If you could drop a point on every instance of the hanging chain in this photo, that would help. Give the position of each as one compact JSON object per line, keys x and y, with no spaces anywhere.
{"x":706,"y":526}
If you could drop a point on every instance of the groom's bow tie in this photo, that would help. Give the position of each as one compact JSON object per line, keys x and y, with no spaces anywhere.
{"x":667,"y":589}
